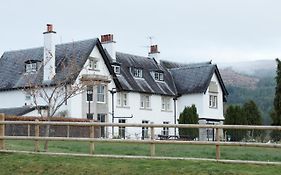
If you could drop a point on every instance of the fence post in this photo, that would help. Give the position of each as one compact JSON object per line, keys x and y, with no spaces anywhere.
{"x":218,"y":154}
{"x":92,"y":135}
{"x":28,"y":130}
{"x":2,"y":132}
{"x":67,"y":131}
{"x":152,"y":145}
{"x":37,"y":131}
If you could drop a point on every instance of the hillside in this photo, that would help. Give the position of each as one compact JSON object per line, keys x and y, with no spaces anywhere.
{"x":259,"y":87}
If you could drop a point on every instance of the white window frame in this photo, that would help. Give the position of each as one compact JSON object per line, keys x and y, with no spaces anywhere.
{"x":158,"y":76}
{"x":165,"y":103}
{"x":145,"y":101}
{"x":30,"y":67}
{"x":213,"y":101}
{"x":101,"y":93}
{"x":116,"y":69}
{"x":144,"y":130}
{"x":165,"y":131}
{"x":122,"y":129}
{"x":122,"y":99}
{"x":93,"y":63}
{"x":138,"y":73}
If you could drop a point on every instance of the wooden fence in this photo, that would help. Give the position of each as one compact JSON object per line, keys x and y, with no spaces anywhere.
{"x":152,"y":141}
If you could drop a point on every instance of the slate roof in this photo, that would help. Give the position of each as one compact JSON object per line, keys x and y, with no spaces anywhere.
{"x":193,"y":78}
{"x":19,"y":111}
{"x":147,"y":84}
{"x":12,"y":63}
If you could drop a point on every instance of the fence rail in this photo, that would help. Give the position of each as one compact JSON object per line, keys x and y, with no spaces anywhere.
{"x":151,"y":141}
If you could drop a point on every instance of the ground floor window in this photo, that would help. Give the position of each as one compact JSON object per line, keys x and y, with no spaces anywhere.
{"x":165,"y":130}
{"x":144,"y":130}
{"x":101,"y":118}
{"x":122,"y":129}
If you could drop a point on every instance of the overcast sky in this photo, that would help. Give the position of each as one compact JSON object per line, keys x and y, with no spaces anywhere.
{"x":185,"y":30}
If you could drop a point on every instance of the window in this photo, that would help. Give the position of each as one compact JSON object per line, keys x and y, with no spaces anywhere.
{"x":144,"y":130}
{"x":116,"y":69}
{"x":166,"y":104}
{"x":30,"y":67}
{"x":101,"y":118}
{"x":213,"y":101}
{"x":89,"y":93}
{"x":136,"y":72}
{"x":101,"y":93}
{"x":145,"y":101}
{"x":122,"y":99}
{"x":165,"y":130}
{"x":93,"y":63}
{"x":122,"y":129}
{"x":159,"y":76}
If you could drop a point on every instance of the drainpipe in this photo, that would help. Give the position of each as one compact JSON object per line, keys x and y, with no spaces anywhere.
{"x":175,"y":114}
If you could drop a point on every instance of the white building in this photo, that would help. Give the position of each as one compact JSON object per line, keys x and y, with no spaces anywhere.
{"x":144,"y":89}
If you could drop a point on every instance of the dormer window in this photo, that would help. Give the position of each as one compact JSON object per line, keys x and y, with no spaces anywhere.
{"x":116,"y":69}
{"x":158,"y":76}
{"x":93,"y":63}
{"x":137,"y":72}
{"x":30,"y":66}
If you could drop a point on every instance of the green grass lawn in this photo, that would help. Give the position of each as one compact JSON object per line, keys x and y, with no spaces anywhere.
{"x":26,"y":164}
{"x":196,"y":151}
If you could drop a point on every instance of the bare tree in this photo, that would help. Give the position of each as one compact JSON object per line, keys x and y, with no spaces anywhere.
{"x":66,"y":83}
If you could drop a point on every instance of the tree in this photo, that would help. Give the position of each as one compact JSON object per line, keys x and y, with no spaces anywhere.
{"x":189,"y":116}
{"x":234,"y":116}
{"x":54,"y":94}
{"x":276,"y":113}
{"x":253,"y":116}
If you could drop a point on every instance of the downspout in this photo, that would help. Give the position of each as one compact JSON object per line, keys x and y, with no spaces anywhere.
{"x":175,"y":114}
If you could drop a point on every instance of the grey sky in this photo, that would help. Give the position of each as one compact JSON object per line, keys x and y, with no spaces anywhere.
{"x":185,"y":30}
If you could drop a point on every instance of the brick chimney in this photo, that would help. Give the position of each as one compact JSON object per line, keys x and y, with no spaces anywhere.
{"x":49,"y":54}
{"x":154,"y":53}
{"x":109,"y":45}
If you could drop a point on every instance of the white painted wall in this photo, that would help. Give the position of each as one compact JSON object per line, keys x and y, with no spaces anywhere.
{"x":14,"y":98}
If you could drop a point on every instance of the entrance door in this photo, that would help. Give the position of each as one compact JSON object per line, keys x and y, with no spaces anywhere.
{"x":101,"y":118}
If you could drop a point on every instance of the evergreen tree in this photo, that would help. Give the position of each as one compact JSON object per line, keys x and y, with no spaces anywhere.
{"x":189,"y":116}
{"x":234,"y":116}
{"x":253,"y":116}
{"x":276,"y":114}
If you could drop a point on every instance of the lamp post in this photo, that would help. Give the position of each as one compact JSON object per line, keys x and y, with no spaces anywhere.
{"x":112,"y":91}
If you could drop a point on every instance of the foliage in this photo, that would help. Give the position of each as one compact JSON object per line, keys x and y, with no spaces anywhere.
{"x":253,"y":117}
{"x":189,"y":116}
{"x":234,"y":116}
{"x":276,"y":114}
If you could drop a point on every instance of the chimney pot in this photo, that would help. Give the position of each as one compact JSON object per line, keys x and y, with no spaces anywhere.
{"x":49,"y":27}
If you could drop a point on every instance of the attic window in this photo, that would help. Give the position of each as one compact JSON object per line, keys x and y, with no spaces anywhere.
{"x":213,"y":87}
{"x":137,"y":72}
{"x":116,"y":69}
{"x":93,"y":63}
{"x":30,"y":67}
{"x":158,"y":76}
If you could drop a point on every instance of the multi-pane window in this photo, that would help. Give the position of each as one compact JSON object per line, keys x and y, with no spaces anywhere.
{"x":101,"y":93}
{"x":122,"y":99}
{"x":145,"y":101}
{"x":144,"y":130}
{"x":93,"y":63}
{"x":213,"y":101}
{"x":166,"y":104}
{"x":159,"y":76}
{"x":137,"y":72}
{"x":30,"y":67}
{"x":165,"y":130}
{"x":122,"y":129}
{"x":89,"y":93}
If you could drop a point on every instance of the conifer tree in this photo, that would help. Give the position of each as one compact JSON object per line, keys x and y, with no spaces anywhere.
{"x":276,"y":114}
{"x":189,"y":116}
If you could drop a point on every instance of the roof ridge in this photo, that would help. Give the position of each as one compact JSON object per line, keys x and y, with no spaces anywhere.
{"x":192,"y":67}
{"x":132,"y":55}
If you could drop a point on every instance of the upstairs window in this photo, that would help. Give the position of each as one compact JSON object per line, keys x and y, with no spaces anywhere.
{"x":122,"y":99}
{"x":30,"y":67}
{"x":213,"y":101}
{"x":145,"y":102}
{"x":166,"y":104}
{"x":137,"y":72}
{"x":158,"y":76}
{"x":93,"y":63}
{"x":101,"y":93}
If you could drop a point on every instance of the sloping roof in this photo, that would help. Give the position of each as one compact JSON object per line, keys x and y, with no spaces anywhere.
{"x":12,"y":63}
{"x":193,"y":78}
{"x":147,"y":84}
{"x":19,"y":111}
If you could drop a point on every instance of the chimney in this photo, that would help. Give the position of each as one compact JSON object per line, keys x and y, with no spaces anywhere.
{"x":154,"y":53}
{"x":49,"y":54}
{"x":109,"y":45}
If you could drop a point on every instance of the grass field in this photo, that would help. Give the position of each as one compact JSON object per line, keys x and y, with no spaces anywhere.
{"x":26,"y":164}
{"x":196,"y":151}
